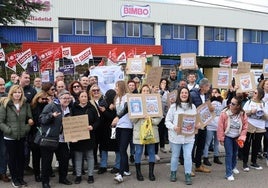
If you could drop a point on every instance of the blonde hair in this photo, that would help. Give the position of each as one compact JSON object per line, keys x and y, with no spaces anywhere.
{"x":90,"y":93}
{"x":36,"y":97}
{"x":9,"y":97}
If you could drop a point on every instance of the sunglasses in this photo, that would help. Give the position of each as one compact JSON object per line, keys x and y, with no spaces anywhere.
{"x":233,"y":104}
{"x":95,"y":90}
{"x":76,"y":86}
{"x":44,"y":99}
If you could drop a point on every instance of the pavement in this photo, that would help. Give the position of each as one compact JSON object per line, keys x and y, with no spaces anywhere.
{"x":215,"y":179}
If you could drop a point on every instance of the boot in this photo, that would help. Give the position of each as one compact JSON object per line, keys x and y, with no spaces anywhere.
{"x":188,"y":179}
{"x":173,"y":177}
{"x":138,"y":172}
{"x":217,"y":160}
{"x":206,"y":161}
{"x":151,"y":171}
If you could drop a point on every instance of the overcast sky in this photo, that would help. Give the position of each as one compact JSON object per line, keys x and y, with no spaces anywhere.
{"x":253,"y":5}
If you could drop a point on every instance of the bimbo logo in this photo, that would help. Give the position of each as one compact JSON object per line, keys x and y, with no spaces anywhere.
{"x":135,"y":11}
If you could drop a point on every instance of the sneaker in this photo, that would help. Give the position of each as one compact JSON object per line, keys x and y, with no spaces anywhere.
{"x":125,"y":173}
{"x":118,"y":178}
{"x":235,"y":171}
{"x":230,"y":178}
{"x":22,"y":183}
{"x":245,"y":168}
{"x":157,"y":158}
{"x":16,"y":184}
{"x":57,"y":164}
{"x":163,"y":150}
{"x":256,"y":166}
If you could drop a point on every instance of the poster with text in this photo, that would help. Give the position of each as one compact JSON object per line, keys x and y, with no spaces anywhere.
{"x":136,"y":65}
{"x":153,"y":105}
{"x":221,"y":78}
{"x":204,"y":115}
{"x":187,"y":124}
{"x":245,"y":82}
{"x":188,"y":61}
{"x":154,"y":76}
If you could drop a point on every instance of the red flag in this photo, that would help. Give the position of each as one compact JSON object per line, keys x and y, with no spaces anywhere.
{"x":102,"y":63}
{"x":47,"y":60}
{"x":25,"y":58}
{"x":11,"y":59}
{"x":82,"y":57}
{"x":112,"y":56}
{"x":226,"y":62}
{"x":57,"y":53}
{"x":131,"y":53}
{"x":122,"y":58}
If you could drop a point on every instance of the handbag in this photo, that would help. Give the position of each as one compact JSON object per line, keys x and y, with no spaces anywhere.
{"x":49,"y":143}
{"x":146,"y":132}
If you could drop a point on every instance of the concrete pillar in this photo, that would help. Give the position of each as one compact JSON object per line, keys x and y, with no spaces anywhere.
{"x":239,"y":36}
{"x":109,"y":31}
{"x":201,"y":40}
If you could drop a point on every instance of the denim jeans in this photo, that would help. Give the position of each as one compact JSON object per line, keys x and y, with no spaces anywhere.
{"x":104,"y":159}
{"x":209,"y":137}
{"x":231,"y":148}
{"x":187,"y":155}
{"x":3,"y":155}
{"x":139,"y":151}
{"x":78,"y":155}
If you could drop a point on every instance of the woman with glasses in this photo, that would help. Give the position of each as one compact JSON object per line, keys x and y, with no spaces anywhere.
{"x":231,"y":131}
{"x":257,"y":113}
{"x":50,"y":90}
{"x":51,"y":125}
{"x":38,"y":103}
{"x":75,"y":88}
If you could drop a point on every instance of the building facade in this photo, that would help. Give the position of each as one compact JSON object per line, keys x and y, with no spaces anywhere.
{"x":177,"y":28}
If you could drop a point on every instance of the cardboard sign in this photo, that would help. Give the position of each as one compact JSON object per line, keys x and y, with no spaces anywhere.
{"x":136,"y":65}
{"x":221,"y":78}
{"x":243,"y":67}
{"x":204,"y":116}
{"x":75,"y":128}
{"x":265,"y":68}
{"x":171,"y":97}
{"x":245,"y":82}
{"x":187,"y":124}
{"x":141,"y":105}
{"x":154,"y":76}
{"x":188,"y":61}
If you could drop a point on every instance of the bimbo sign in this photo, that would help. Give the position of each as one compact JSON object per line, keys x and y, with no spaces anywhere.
{"x":136,"y":11}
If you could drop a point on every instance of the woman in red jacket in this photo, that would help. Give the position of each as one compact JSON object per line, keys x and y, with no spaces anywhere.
{"x":232,"y":131}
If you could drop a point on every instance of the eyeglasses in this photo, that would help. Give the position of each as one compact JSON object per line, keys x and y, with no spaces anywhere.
{"x":95,"y":90}
{"x":233,"y":104}
{"x":76,"y":86}
{"x":44,"y":99}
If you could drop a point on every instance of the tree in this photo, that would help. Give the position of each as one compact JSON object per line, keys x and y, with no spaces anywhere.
{"x":18,"y":10}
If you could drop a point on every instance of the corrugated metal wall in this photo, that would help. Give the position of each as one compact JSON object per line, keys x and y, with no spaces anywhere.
{"x":255,"y":53}
{"x":17,"y":34}
{"x":179,"y":46}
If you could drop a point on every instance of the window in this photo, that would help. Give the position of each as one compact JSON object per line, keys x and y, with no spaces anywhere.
{"x":65,"y":26}
{"x":118,"y":29}
{"x":191,"y":32}
{"x":265,"y":37}
{"x":246,"y":36}
{"x":219,"y":34}
{"x":255,"y":36}
{"x":82,"y":27}
{"x":148,"y":30}
{"x":99,"y":28}
{"x":133,"y":29}
{"x":209,"y":33}
{"x":44,"y":34}
{"x":231,"y":35}
{"x":166,"y":31}
{"x":179,"y":31}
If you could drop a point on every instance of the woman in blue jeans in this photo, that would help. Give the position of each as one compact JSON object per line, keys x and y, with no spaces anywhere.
{"x":232,"y":129}
{"x":124,"y":129}
{"x":178,"y":140}
{"x":150,"y":147}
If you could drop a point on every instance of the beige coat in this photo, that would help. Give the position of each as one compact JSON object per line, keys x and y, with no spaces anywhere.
{"x":136,"y":129}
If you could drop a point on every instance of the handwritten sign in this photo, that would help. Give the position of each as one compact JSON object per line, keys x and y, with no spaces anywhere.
{"x":135,"y":65}
{"x":204,"y":115}
{"x":154,"y":76}
{"x":75,"y":128}
{"x":188,"y":61}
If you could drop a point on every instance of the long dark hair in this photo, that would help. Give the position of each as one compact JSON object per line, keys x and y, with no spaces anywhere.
{"x":178,"y":100}
{"x":239,"y":102}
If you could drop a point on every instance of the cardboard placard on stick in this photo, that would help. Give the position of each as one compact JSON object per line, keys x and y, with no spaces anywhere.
{"x":243,"y":67}
{"x":154,"y":76}
{"x":221,"y":78}
{"x":245,"y":82}
{"x":188,"y":61}
{"x":136,"y":65}
{"x":75,"y":128}
{"x":186,"y":123}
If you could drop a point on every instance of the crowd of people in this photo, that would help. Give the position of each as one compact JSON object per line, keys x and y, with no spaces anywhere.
{"x":240,"y":125}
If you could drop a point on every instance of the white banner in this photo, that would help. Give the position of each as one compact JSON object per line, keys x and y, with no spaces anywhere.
{"x":136,"y":11}
{"x":83,"y":57}
{"x":25,"y":58}
{"x":2,"y":54}
{"x":107,"y":76}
